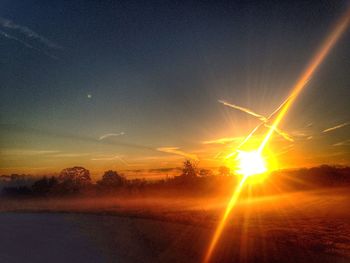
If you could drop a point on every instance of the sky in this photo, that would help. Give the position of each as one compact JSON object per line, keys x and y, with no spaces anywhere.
{"x":134,"y":85}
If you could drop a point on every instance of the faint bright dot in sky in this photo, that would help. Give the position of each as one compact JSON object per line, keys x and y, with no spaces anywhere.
{"x":89,"y":96}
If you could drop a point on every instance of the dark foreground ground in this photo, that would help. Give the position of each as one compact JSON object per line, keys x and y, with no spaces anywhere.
{"x":295,"y":227}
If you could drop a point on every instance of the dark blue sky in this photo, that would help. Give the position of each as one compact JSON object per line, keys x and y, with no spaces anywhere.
{"x":155,"y":71}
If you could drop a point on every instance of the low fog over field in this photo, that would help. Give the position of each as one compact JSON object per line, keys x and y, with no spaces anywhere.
{"x":310,"y":226}
{"x":293,"y":216}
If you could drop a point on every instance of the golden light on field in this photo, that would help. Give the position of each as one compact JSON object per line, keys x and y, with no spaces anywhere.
{"x":251,"y":163}
{"x":222,"y":222}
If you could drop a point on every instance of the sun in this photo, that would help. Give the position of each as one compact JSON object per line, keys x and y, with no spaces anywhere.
{"x":250,"y":163}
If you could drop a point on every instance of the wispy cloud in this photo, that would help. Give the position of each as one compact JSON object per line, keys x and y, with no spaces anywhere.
{"x":111,"y":158}
{"x":70,"y":155}
{"x":343,"y":143}
{"x":223,"y":140}
{"x":177,"y":151}
{"x":70,"y":136}
{"x":26,"y":44}
{"x":26,"y":168}
{"x":111,"y":135}
{"x":29,"y":33}
{"x":310,"y":124}
{"x":299,"y":134}
{"x":336,"y":127}
{"x":27,"y":152}
{"x":4,"y":34}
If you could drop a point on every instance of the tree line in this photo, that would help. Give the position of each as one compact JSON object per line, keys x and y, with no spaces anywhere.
{"x":77,"y":181}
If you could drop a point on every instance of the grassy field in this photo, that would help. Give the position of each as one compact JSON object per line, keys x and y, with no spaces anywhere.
{"x":309,"y":226}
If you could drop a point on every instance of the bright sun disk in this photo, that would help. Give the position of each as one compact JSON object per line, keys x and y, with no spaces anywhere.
{"x":250,"y":163}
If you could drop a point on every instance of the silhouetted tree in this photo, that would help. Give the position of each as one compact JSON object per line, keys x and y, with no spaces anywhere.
{"x":78,"y":175}
{"x":44,"y":185}
{"x":111,"y":179}
{"x":189,"y":169}
{"x":73,"y":180}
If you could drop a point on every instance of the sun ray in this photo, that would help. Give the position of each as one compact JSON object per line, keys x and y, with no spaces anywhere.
{"x":282,"y":110}
{"x":307,"y":74}
{"x":222,"y":222}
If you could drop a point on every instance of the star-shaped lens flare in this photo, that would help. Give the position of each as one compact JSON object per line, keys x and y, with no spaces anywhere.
{"x":250,"y":163}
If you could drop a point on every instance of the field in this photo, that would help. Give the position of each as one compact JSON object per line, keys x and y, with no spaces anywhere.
{"x":308,"y":226}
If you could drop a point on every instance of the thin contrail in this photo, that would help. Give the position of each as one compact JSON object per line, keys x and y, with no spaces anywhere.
{"x":346,"y":142}
{"x":115,"y":157}
{"x":244,"y":141}
{"x":309,"y":71}
{"x":298,"y":87}
{"x":110,"y":135}
{"x":70,"y":155}
{"x":11,"y":37}
{"x":336,"y":127}
{"x":222,"y":140}
{"x":246,"y":110}
{"x":176,"y":150}
{"x":285,"y":135}
{"x":280,"y":132}
{"x":261,"y":117}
